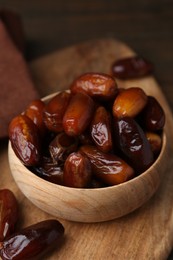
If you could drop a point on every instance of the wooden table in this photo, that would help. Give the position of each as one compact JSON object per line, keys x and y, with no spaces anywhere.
{"x":146,"y":26}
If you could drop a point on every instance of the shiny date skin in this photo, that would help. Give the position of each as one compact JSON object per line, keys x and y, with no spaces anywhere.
{"x":152,"y":118}
{"x":109,"y":168}
{"x":97,"y":85}
{"x":155,"y":141}
{"x":32,"y":241}
{"x":133,"y":143}
{"x":77,"y":171}
{"x":129,"y":102}
{"x":9,"y":213}
{"x":132,"y":67}
{"x":25,"y":140}
{"x":35,"y":112}
{"x":54,"y":111}
{"x":49,"y":171}
{"x":78,"y":114}
{"x":101,"y":131}
{"x":61,"y":146}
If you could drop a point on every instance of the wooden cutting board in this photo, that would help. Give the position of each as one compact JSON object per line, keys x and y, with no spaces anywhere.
{"x":146,"y":233}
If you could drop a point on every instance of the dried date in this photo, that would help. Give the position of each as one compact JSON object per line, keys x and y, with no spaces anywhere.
{"x":78,"y":114}
{"x":54,"y":111}
{"x":61,"y":146}
{"x":98,"y":85}
{"x":155,"y":141}
{"x":35,"y":112}
{"x":25,"y":140}
{"x":152,"y":118}
{"x":33,"y":241}
{"x":77,"y":171}
{"x":9,"y":213}
{"x":101,"y":131}
{"x":131,"y":67}
{"x":49,"y":171}
{"x":109,"y":168}
{"x":129,"y":102}
{"x":133,"y":143}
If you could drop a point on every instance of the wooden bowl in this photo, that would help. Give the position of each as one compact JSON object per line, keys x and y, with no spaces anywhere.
{"x":88,"y":205}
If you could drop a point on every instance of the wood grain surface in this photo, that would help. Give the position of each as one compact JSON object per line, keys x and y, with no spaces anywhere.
{"x":146,"y":233}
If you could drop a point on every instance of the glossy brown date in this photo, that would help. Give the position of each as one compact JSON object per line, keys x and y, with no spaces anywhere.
{"x":133,"y":143}
{"x":107,"y":167}
{"x":35,"y":112}
{"x":33,"y":241}
{"x":78,"y":114}
{"x":97,"y":85}
{"x":25,"y":140}
{"x":101,"y":131}
{"x":61,"y":146}
{"x":77,"y":171}
{"x":152,"y":117}
{"x":155,"y":141}
{"x":54,"y":111}
{"x":132,"y":67}
{"x":8,"y":213}
{"x":129,"y":102}
{"x":49,"y":171}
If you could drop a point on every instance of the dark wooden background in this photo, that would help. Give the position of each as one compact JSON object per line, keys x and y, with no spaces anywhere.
{"x":145,"y":25}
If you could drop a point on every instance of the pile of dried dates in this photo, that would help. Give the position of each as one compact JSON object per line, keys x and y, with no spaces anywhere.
{"x":93,"y":135}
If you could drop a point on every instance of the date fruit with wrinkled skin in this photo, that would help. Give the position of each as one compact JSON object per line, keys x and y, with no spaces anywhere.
{"x":49,"y":171}
{"x":155,"y":141}
{"x":77,"y":171}
{"x":133,"y":143}
{"x":54,"y":111}
{"x":61,"y":146}
{"x":8,"y":213}
{"x":25,"y":140}
{"x":107,"y":167}
{"x":78,"y":114}
{"x":98,"y":85}
{"x":131,"y":67}
{"x":35,"y":112}
{"x":32,"y":241}
{"x":101,"y":132}
{"x":152,"y":118}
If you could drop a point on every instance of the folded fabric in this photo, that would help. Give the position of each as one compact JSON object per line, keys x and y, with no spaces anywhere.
{"x":16,"y":87}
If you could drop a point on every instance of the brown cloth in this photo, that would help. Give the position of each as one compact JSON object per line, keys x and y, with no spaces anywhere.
{"x":16,"y":87}
{"x":14,"y":26}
